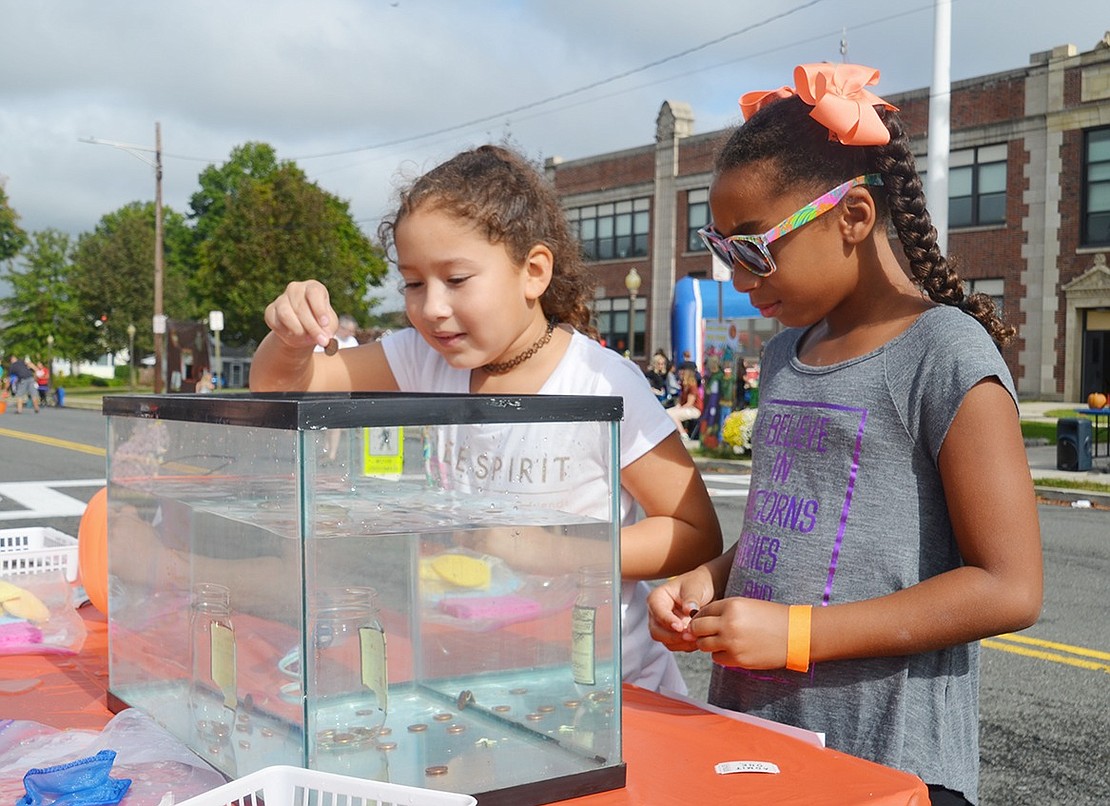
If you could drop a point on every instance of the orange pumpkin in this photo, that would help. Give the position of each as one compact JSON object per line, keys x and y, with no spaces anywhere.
{"x":92,"y":550}
{"x":1096,"y":400}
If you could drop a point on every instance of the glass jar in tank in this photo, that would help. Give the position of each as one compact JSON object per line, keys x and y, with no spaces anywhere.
{"x":346,"y":683}
{"x":592,"y":663}
{"x":591,"y":654}
{"x":212,"y":682}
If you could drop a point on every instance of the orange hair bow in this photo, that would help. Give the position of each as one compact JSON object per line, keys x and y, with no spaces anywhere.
{"x":839,"y":99}
{"x":752,"y":102}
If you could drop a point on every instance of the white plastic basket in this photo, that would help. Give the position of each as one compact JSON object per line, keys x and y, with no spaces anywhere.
{"x":292,"y":786}
{"x":35,"y":549}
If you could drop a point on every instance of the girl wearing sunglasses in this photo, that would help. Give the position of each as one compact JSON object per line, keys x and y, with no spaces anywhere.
{"x":891,"y":521}
{"x":499,"y":303}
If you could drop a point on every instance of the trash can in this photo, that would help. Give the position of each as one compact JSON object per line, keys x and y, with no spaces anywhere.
{"x":60,"y":394}
{"x":1073,"y":444}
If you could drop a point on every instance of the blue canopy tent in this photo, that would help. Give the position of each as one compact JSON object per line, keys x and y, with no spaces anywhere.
{"x":696,"y":300}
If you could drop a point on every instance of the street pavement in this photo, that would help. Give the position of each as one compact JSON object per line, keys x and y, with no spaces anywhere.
{"x":1042,"y":456}
{"x":1044,"y":707}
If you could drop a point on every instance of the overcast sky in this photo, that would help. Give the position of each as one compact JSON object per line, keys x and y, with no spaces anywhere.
{"x":359,"y":92}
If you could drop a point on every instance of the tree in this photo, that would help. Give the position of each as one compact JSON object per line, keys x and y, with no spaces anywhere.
{"x":113,"y":278}
{"x":260,"y":224}
{"x":220,"y":186}
{"x":40,"y":305}
{"x":12,"y":236}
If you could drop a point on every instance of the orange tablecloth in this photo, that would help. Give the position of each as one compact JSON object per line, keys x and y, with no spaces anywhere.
{"x":71,"y":689}
{"x":670,"y":747}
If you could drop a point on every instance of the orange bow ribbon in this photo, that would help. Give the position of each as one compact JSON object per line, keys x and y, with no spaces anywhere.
{"x":839,"y":99}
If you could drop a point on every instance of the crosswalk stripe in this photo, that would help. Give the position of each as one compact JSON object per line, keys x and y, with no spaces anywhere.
{"x":42,"y":499}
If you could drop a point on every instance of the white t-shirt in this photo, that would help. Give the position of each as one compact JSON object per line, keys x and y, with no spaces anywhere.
{"x":587,"y":368}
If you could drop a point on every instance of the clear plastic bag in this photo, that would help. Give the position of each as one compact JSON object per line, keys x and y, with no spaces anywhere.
{"x":155,"y":761}
{"x":37,"y":615}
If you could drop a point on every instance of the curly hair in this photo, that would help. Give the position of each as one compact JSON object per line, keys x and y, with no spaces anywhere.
{"x":511,"y":203}
{"x":784,"y":135}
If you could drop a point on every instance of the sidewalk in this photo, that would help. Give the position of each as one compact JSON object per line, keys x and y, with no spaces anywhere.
{"x":1042,"y":459}
{"x":90,"y":402}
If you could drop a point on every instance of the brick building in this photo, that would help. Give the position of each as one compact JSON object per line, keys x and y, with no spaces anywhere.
{"x":1029,"y":214}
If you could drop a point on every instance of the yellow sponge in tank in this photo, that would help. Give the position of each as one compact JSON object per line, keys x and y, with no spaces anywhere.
{"x":457,"y":569}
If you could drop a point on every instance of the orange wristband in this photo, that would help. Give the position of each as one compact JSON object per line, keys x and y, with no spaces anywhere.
{"x":797,"y":638}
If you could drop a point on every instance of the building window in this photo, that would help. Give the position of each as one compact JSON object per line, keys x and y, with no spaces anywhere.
{"x":994,"y":288}
{"x":1096,"y":193}
{"x":611,"y":315}
{"x":976,"y":186}
{"x":612,"y":231}
{"x":697,"y":216}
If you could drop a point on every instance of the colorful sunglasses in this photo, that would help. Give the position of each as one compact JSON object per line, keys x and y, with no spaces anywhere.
{"x":751,"y":252}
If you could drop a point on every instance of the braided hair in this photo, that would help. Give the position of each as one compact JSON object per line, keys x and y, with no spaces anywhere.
{"x":784,"y":135}
{"x":510,"y":202}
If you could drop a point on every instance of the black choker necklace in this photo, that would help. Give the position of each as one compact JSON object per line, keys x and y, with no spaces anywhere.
{"x":501,"y":369}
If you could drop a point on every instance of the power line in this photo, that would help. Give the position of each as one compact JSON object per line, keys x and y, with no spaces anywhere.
{"x":602,"y":82}
{"x":748,"y":56}
{"x":559,"y":96}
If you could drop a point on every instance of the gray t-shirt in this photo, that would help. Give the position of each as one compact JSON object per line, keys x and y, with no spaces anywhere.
{"x":846,"y":504}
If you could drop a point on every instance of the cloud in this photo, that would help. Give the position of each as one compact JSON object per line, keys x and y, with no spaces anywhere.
{"x":347,"y":77}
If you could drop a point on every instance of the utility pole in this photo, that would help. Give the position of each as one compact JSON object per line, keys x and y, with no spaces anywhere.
{"x":940,"y":112}
{"x":158,"y":322}
{"x":159,"y":317}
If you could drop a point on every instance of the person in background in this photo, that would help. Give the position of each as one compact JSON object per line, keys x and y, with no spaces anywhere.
{"x":42,"y":381}
{"x":689,"y":363}
{"x":662,"y":380}
{"x":344,"y":334}
{"x":23,"y":384}
{"x":687,"y":412}
{"x":499,"y":302}
{"x":205,"y":385}
{"x":891,"y":521}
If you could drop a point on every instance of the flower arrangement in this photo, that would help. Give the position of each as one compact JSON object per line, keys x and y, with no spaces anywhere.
{"x":737,"y":430}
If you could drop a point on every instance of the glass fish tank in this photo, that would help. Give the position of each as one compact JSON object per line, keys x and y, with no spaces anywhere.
{"x":415,"y":589}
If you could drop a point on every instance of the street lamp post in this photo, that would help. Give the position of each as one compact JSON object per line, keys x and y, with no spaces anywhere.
{"x":159,"y":319}
{"x":131,"y":355}
{"x":632,"y":283}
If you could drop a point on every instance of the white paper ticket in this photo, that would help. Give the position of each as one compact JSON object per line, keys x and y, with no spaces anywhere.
{"x":729,"y":767}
